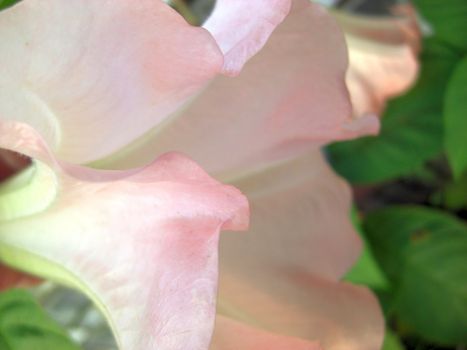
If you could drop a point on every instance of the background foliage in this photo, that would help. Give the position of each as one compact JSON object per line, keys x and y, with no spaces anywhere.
{"x":25,"y":326}
{"x":410,"y":184}
{"x":7,"y":3}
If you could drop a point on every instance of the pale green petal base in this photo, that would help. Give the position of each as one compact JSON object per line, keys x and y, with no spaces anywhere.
{"x":29,"y":192}
{"x":38,"y":266}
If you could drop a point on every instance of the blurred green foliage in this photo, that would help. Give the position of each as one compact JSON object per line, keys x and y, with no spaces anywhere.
{"x":448,"y":19}
{"x":424,"y":254}
{"x":420,"y":251}
{"x":453,"y":196}
{"x":7,"y":3}
{"x":24,"y":326}
{"x":366,"y":270}
{"x":392,"y":342}
{"x":430,"y":119}
{"x":455,"y":120}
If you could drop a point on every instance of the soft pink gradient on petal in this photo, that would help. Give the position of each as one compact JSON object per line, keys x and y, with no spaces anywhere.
{"x":242,"y":27}
{"x":142,"y":243}
{"x":232,"y":335}
{"x":288,"y":98}
{"x":300,"y":220}
{"x":402,"y":28}
{"x":409,"y":25}
{"x":92,"y":76}
{"x":383,"y":59}
{"x":284,"y":275}
{"x":339,"y":316}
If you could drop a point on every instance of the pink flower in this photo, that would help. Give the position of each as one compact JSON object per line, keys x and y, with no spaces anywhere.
{"x":382,"y":53}
{"x":112,"y":84}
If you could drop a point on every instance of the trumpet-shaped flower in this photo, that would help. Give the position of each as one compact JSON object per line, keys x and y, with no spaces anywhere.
{"x":88,"y":86}
{"x":382,"y":55}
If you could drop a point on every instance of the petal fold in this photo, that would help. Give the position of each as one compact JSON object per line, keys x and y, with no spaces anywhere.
{"x":339,"y":316}
{"x":300,"y":220}
{"x":242,"y":27}
{"x":232,"y":335}
{"x":142,"y":244}
{"x":289,"y":98}
{"x":92,"y":76}
{"x":283,"y":277}
{"x":383,"y":58}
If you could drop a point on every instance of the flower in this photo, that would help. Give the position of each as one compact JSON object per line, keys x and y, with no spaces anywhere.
{"x":383,"y":57}
{"x":83,"y":83}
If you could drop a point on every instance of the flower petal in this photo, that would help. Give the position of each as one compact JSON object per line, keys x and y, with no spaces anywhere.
{"x":232,"y":335}
{"x":283,"y":276}
{"x":339,"y":316}
{"x":382,"y":54}
{"x":142,"y":244}
{"x":92,"y":76}
{"x":301,"y":209}
{"x":242,"y":27}
{"x":402,"y":28}
{"x":289,"y":98}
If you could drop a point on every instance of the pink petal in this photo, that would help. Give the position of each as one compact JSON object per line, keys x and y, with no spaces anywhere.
{"x":232,"y":335}
{"x":289,"y":98}
{"x":383,"y":59}
{"x":242,"y":27}
{"x":300,"y":219}
{"x":283,"y":276}
{"x":400,"y":29}
{"x":92,"y":76}
{"x":142,"y":243}
{"x":339,"y":316}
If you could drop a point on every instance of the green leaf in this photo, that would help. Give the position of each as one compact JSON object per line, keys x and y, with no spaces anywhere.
{"x":412,"y":127}
{"x":366,"y":270}
{"x":392,"y":342}
{"x":424,"y":252}
{"x":455,"y":118}
{"x":453,"y":195}
{"x":448,"y":19}
{"x":24,"y":326}
{"x":4,"y":4}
